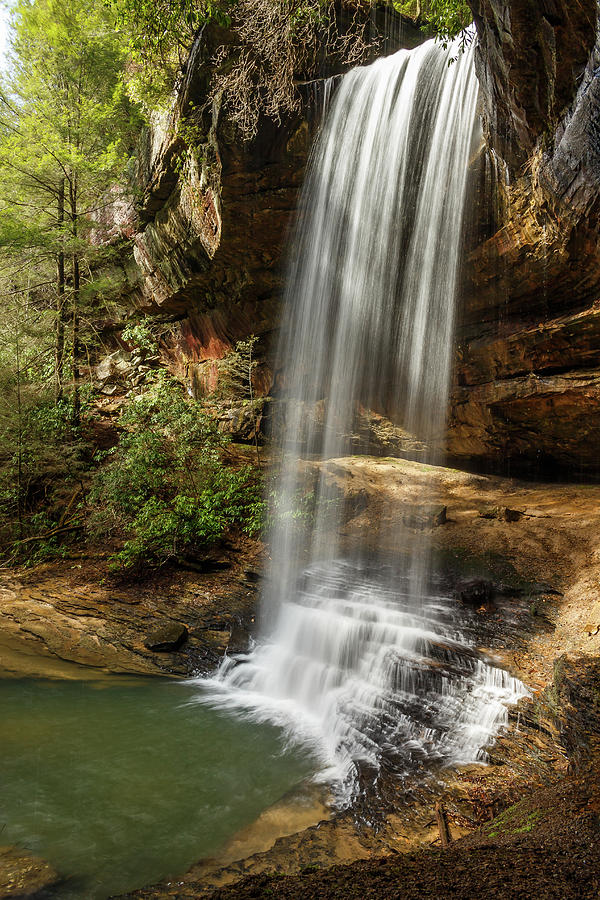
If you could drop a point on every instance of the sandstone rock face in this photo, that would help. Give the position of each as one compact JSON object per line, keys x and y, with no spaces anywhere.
{"x":527,"y":386}
{"x":178,"y":624}
{"x":208,"y":256}
{"x":532,"y":396}
{"x":209,"y":234}
{"x":531,"y":55}
{"x":213,"y":215}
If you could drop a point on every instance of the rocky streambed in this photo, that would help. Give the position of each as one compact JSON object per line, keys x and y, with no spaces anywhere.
{"x":527,"y":558}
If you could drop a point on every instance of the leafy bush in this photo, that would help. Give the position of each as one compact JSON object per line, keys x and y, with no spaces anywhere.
{"x":141,"y":336}
{"x":444,"y":18}
{"x":166,"y":487}
{"x":42,"y":461}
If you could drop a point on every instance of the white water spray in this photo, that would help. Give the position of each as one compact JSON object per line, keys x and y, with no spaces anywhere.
{"x":365,"y":661}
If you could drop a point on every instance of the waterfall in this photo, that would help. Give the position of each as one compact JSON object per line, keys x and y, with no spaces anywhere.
{"x":363,"y":658}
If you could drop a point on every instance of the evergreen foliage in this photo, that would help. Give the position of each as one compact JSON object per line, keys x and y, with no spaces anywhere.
{"x":68,"y":129}
{"x":235,"y":381}
{"x":66,"y":132}
{"x":41,"y":453}
{"x":257,"y":50}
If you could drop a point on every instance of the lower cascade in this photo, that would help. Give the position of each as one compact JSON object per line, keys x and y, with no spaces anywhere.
{"x":370,"y":661}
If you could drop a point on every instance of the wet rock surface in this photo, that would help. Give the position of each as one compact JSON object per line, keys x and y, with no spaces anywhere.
{"x":541,"y":573}
{"x":56,"y":619}
{"x":24,"y":876}
{"x":531,"y":397}
{"x":530,"y":58}
{"x":538,"y":579}
{"x":542,"y":847}
{"x":527,"y":383}
{"x":71,"y":611}
{"x":525,"y":826}
{"x":425,"y":516}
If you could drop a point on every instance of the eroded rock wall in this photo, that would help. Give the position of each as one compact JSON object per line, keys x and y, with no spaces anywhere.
{"x":530,"y":58}
{"x":212,"y":215}
{"x":528,"y":362}
{"x":210,"y":225}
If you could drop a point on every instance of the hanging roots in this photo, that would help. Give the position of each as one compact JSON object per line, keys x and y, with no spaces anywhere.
{"x":278,"y":44}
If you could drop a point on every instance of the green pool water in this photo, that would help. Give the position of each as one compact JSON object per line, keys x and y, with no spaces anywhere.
{"x":121,"y":783}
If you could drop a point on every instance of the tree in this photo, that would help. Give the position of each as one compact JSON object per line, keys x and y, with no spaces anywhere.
{"x":235,"y":382}
{"x":160,"y":34}
{"x":41,"y":458}
{"x":67,"y":131}
{"x":255,"y":64}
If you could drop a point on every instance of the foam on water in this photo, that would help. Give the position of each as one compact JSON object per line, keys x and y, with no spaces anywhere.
{"x":361,"y":673}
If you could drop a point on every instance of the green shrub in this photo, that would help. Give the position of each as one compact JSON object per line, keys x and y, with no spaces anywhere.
{"x":43,"y":459}
{"x":166,"y":488}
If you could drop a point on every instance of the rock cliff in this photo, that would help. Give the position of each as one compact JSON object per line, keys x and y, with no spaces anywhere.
{"x":209,"y":227}
{"x":212,"y":213}
{"x":528,"y":360}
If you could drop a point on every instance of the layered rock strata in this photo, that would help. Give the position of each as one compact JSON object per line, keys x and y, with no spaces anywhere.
{"x":209,"y":226}
{"x":528,"y":360}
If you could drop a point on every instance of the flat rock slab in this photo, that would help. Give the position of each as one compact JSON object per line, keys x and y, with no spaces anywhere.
{"x":63,"y":621}
{"x":23,"y":875}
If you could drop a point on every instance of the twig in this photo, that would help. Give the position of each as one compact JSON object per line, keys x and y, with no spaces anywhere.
{"x":76,"y":492}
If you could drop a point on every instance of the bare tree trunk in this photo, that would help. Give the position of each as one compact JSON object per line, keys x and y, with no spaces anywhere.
{"x":252,"y":410}
{"x":75,"y":346}
{"x":59,"y":346}
{"x":19,"y":435}
{"x":76,"y":349}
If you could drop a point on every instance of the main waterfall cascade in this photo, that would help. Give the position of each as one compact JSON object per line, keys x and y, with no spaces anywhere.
{"x":365,"y":659}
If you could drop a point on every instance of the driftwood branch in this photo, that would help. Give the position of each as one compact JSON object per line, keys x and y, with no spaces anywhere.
{"x":69,"y":505}
{"x":60,"y":529}
{"x":440,"y":815}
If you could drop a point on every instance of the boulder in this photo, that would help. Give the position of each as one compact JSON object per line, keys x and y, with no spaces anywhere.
{"x":166,"y":637}
{"x":114,"y":366}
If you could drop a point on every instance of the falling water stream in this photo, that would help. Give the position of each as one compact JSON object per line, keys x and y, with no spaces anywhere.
{"x":365,"y":666}
{"x":367,"y":661}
